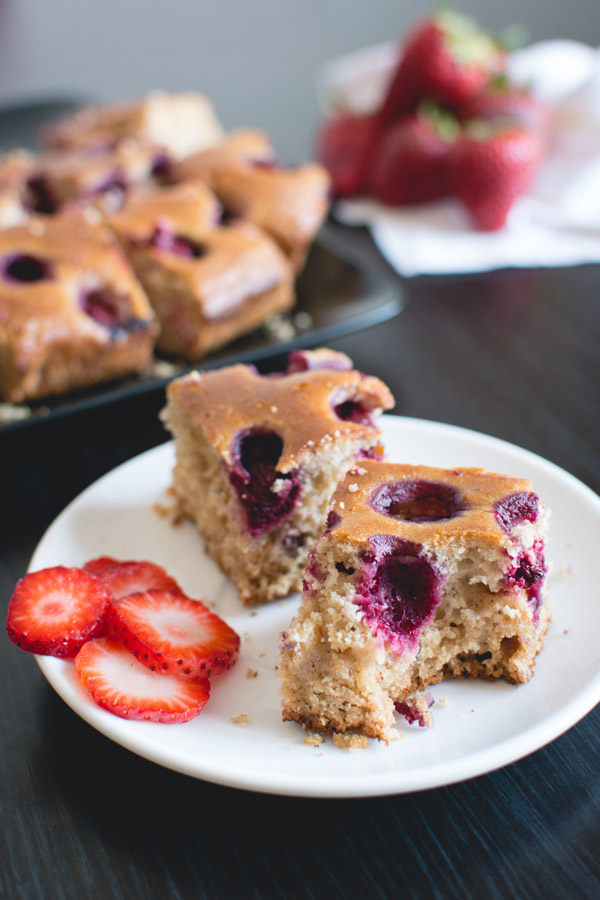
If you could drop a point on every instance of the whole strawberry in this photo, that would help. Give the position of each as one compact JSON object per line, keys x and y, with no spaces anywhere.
{"x":490,"y":167}
{"x":504,"y":100}
{"x":409,"y":164}
{"x":344,"y":145}
{"x":446,"y":58}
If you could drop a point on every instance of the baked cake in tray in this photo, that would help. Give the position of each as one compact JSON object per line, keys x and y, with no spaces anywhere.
{"x":180,"y":123}
{"x":242,"y":147}
{"x":72,"y":313}
{"x":422,"y":574}
{"x":258,"y":458}
{"x":289,"y":204}
{"x":209,"y":285}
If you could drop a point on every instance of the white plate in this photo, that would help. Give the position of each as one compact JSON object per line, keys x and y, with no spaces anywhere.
{"x":478,"y":727}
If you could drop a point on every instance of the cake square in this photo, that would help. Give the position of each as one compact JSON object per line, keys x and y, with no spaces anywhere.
{"x":71,"y":311}
{"x":209,"y":286}
{"x":259,"y":456}
{"x":180,"y":123}
{"x":422,"y":574}
{"x":241,"y":147}
{"x":289,"y":204}
{"x":100,"y":179}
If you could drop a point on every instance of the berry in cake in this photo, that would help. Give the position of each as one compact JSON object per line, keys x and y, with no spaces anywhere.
{"x":72,"y":313}
{"x":422,"y":574}
{"x":100,"y":179}
{"x":180,"y":124}
{"x":258,"y":458}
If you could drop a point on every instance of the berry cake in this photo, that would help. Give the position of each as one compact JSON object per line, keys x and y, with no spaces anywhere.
{"x":71,"y":311}
{"x":101,"y":179}
{"x":258,"y":457}
{"x":421,"y":574}
{"x":245,"y":146}
{"x":181,"y":124}
{"x":289,"y":204}
{"x":209,"y":285}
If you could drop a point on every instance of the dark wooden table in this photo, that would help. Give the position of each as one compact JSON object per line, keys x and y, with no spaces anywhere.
{"x":514,"y":354}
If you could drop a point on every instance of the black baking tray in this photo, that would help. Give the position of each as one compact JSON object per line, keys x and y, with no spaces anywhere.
{"x":338,"y":293}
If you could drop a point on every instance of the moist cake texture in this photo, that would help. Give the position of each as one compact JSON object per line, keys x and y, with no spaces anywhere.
{"x":258,"y":457}
{"x":422,"y":574}
{"x":72,"y":313}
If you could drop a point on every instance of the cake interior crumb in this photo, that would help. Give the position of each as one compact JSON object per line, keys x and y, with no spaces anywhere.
{"x":350,"y":742}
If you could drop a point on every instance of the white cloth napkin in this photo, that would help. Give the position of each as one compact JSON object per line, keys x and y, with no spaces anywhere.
{"x":556,"y":224}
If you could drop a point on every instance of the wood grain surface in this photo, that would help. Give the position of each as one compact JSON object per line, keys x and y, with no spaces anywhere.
{"x":514,"y":354}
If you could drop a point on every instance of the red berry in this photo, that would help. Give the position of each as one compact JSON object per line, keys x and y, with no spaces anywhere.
{"x":120,"y":684}
{"x":488,"y":172}
{"x":169,"y":632}
{"x":124,"y":577}
{"x":408,"y":166}
{"x":53,"y":612}
{"x":446,"y":58}
{"x":344,"y":145}
{"x":508,"y":102}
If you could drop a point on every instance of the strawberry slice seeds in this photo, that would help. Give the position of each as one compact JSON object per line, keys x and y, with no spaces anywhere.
{"x":53,"y":612}
{"x":126,"y":688}
{"x":124,"y":577}
{"x":169,"y":632}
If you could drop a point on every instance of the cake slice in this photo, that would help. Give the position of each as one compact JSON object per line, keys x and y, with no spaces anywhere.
{"x":72,"y":313}
{"x":180,"y":123}
{"x":422,"y":574}
{"x":258,"y":458}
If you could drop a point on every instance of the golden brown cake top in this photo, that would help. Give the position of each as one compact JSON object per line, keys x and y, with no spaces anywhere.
{"x":238,"y":148}
{"x":425,"y":504}
{"x":186,"y":209}
{"x":289,"y":204}
{"x":306,"y":409}
{"x":62,"y":273}
{"x":181,"y":122}
{"x":228,"y":266}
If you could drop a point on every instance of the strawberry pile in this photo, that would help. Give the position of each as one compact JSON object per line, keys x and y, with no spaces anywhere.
{"x":142,"y":648}
{"x":451,"y":124}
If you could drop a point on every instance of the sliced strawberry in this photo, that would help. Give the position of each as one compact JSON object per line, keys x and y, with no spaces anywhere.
{"x":490,"y":168}
{"x":446,"y":58}
{"x":169,"y":632}
{"x":120,"y":684}
{"x":124,"y":577}
{"x":344,"y":145}
{"x":53,"y":612}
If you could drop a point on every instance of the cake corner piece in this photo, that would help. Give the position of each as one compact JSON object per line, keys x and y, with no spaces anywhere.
{"x":422,"y":574}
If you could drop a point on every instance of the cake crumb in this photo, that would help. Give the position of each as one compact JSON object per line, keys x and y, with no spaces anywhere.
{"x":161,"y":368}
{"x":173,"y":513}
{"x":12,"y":412}
{"x":350,"y":742}
{"x":251,"y":673}
{"x":313,"y":739}
{"x":253,"y":613}
{"x":262,"y":655}
{"x":395,"y":735}
{"x":241,"y":720}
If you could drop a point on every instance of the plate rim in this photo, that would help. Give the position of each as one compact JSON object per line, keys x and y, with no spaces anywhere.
{"x":371,"y":784}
